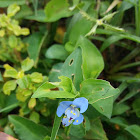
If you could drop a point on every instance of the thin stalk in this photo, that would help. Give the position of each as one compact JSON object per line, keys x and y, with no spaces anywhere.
{"x":129,"y":65}
{"x":137,"y":18}
{"x":130,"y":56}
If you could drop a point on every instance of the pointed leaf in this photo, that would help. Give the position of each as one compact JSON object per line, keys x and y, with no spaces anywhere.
{"x":50,"y":89}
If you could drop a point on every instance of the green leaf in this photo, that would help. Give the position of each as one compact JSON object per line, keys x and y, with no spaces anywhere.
{"x":55,"y":72}
{"x":56,"y":125}
{"x":136,"y":107}
{"x":23,"y":82}
{"x":134,"y":130}
{"x":49,"y":89}
{"x":10,"y":71}
{"x":10,"y":103}
{"x":55,"y":10}
{"x":112,"y":39}
{"x":99,"y":94}
{"x":13,"y":41}
{"x":92,"y":61}
{"x":35,"y":42}
{"x":36,"y":77}
{"x":32,"y":103}
{"x":72,"y":67}
{"x":9,"y":86}
{"x":40,"y":16}
{"x":24,"y":12}
{"x":28,"y":130}
{"x":78,"y":130}
{"x":56,"y":52}
{"x":12,"y":10}
{"x":75,"y":26}
{"x":122,"y":35}
{"x":120,"y":121}
{"x":9,"y":108}
{"x":34,"y":116}
{"x":27,"y":64}
{"x":97,"y":131}
{"x":133,"y":90}
{"x":22,"y":94}
{"x":5,"y":3}
{"x":120,"y":109}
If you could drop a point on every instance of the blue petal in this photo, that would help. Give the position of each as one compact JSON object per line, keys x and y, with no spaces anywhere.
{"x":78,"y":120}
{"x":62,"y":107}
{"x":81,"y":103}
{"x":72,"y":112}
{"x":66,"y":121}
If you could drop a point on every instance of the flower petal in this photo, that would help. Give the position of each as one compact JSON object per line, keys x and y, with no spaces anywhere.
{"x":66,"y":121}
{"x":62,"y":107}
{"x":78,"y":120}
{"x":81,"y":103}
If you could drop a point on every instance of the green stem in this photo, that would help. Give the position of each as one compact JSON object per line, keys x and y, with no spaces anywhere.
{"x":56,"y":125}
{"x":137,"y":18}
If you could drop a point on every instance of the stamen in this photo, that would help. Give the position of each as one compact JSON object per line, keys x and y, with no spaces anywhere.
{"x":71,"y":118}
{"x":76,"y":120}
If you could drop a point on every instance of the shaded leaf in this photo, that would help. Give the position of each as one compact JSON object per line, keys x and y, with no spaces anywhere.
{"x":97,"y":131}
{"x":136,"y":107}
{"x":78,"y":130}
{"x":10,"y":103}
{"x":120,"y":109}
{"x":120,"y":121}
{"x":56,"y":52}
{"x":28,"y":130}
{"x":35,"y":42}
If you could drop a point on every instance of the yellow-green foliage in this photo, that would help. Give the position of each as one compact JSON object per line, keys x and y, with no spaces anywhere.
{"x":10,"y":43}
{"x":23,"y":84}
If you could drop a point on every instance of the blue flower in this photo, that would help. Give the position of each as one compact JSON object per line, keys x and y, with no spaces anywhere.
{"x":72,"y":111}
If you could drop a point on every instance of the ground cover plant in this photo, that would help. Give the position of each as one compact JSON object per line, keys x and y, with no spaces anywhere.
{"x":69,"y":69}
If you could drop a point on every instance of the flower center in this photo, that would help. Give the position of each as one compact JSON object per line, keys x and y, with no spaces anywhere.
{"x":72,"y":112}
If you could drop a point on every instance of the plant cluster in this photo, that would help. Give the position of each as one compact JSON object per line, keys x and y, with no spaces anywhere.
{"x":69,"y":69}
